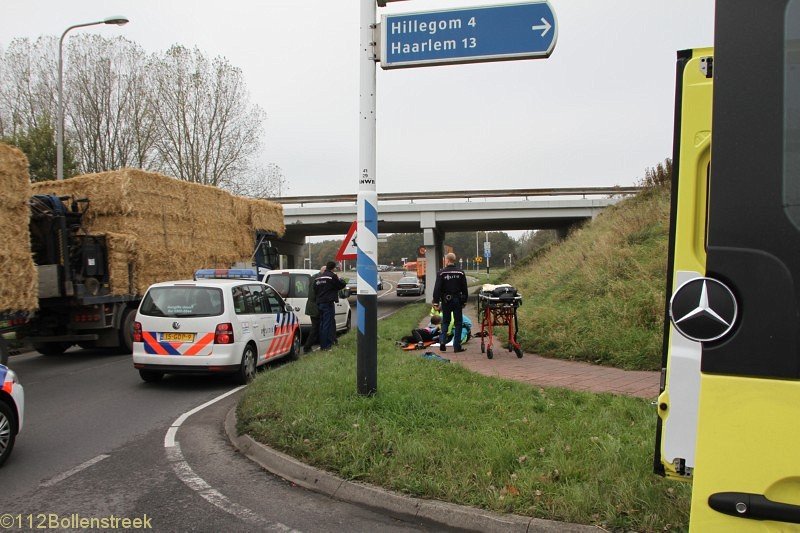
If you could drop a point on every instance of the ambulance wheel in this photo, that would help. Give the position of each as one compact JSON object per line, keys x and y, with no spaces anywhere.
{"x":294,"y":353}
{"x":51,"y":348}
{"x":489,"y":353}
{"x":151,"y":376}
{"x":8,"y":432}
{"x":518,"y":352}
{"x":247,"y":369}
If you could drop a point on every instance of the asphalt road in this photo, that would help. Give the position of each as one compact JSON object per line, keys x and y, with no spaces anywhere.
{"x":388,"y":301}
{"x":94,"y":445}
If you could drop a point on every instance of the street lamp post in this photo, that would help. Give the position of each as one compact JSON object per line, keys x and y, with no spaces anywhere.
{"x":119,"y":21}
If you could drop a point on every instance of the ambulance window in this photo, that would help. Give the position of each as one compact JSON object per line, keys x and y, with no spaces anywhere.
{"x":791,"y":113}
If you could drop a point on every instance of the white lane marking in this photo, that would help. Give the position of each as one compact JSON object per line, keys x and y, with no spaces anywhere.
{"x":199,"y":485}
{"x":71,"y":472}
{"x":387,"y":291}
{"x":169,"y":438}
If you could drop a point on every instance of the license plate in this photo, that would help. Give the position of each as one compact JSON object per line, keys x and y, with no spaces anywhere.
{"x":177,"y":337}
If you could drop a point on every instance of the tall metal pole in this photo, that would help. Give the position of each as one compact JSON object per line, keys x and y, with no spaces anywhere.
{"x":477,"y":253}
{"x":367,"y":230}
{"x":119,"y":21}
{"x":60,"y":124}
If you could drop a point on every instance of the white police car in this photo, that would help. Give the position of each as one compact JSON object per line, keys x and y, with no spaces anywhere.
{"x":223,"y":321}
{"x":12,"y":407}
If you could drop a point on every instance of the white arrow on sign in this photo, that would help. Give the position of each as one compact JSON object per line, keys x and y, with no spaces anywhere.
{"x":546,"y":27}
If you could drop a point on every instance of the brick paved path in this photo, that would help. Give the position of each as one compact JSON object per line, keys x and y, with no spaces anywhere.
{"x":546,"y":372}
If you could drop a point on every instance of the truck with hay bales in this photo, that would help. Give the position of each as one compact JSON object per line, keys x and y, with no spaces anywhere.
{"x":80,"y":253}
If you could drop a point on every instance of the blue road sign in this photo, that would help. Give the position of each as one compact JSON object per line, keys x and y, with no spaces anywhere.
{"x":478,"y":34}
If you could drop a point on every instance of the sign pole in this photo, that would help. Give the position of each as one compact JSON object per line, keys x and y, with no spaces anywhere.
{"x":367,"y":243}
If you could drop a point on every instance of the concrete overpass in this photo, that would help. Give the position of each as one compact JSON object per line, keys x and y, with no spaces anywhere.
{"x":434,"y":214}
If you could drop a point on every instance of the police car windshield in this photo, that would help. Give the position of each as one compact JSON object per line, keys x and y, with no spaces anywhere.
{"x":173,"y":302}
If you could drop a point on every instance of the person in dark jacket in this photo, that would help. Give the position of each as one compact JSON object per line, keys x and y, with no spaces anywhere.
{"x":327,"y":287}
{"x":450,"y":295}
{"x":313,"y":313}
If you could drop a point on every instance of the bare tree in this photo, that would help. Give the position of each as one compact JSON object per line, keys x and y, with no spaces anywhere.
{"x":209,"y":131}
{"x":28,"y":86}
{"x":259,"y":182}
{"x":109,"y":105}
{"x":177,"y":112}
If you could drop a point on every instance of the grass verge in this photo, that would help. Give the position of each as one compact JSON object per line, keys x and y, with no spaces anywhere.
{"x":598,"y":296}
{"x":436,"y":430}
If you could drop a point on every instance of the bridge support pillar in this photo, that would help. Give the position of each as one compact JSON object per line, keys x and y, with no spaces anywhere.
{"x":433,"y":240}
{"x":562,"y":232}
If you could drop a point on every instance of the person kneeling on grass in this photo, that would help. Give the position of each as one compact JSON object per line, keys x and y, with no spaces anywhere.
{"x":466,"y":330}
{"x":422,"y":335}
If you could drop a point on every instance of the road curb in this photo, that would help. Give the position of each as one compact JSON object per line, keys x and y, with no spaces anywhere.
{"x":448,"y":514}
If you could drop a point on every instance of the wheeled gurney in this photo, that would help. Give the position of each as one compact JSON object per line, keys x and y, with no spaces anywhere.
{"x":497,"y":306}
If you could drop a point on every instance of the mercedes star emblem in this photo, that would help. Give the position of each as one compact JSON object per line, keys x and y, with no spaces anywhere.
{"x":176,"y":325}
{"x":703,"y":309}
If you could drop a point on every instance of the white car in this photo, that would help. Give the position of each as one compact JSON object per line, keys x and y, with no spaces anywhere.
{"x":410,"y":286}
{"x":293,"y":285}
{"x":12,"y":408}
{"x":209,"y":326}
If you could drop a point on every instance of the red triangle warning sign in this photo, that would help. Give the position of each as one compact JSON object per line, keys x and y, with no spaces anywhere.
{"x":349,"y":249}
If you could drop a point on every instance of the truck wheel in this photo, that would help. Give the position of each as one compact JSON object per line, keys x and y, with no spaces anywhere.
{"x":7,"y":432}
{"x":51,"y":348}
{"x":151,"y":376}
{"x":247,"y":369}
{"x":4,"y":352}
{"x":126,"y":332}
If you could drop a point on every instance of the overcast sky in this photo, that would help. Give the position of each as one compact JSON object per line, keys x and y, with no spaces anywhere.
{"x":596,"y":113}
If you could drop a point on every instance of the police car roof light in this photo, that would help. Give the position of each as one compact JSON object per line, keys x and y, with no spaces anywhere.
{"x":226,"y":273}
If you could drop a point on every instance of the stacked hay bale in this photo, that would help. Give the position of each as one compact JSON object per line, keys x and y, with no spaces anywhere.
{"x":159,"y":228}
{"x":18,"y":277}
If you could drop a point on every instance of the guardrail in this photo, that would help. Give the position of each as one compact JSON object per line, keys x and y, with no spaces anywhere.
{"x":480,"y":193}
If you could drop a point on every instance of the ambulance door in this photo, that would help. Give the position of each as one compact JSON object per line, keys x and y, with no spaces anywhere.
{"x":680,"y":383}
{"x":745,"y":311}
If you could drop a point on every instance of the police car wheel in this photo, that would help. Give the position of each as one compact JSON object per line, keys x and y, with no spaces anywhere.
{"x":349,"y":323}
{"x":151,"y":376}
{"x":7,"y":433}
{"x":294,"y":353}
{"x":247,"y":369}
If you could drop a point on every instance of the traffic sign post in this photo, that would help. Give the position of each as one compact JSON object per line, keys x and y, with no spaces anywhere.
{"x":367,"y":217}
{"x":471,"y":35}
{"x":349,"y":247}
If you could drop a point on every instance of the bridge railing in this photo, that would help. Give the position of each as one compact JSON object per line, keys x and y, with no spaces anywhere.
{"x":468,"y":195}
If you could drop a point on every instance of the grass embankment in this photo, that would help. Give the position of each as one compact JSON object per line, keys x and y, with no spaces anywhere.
{"x":598,"y":296}
{"x":436,"y":430}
